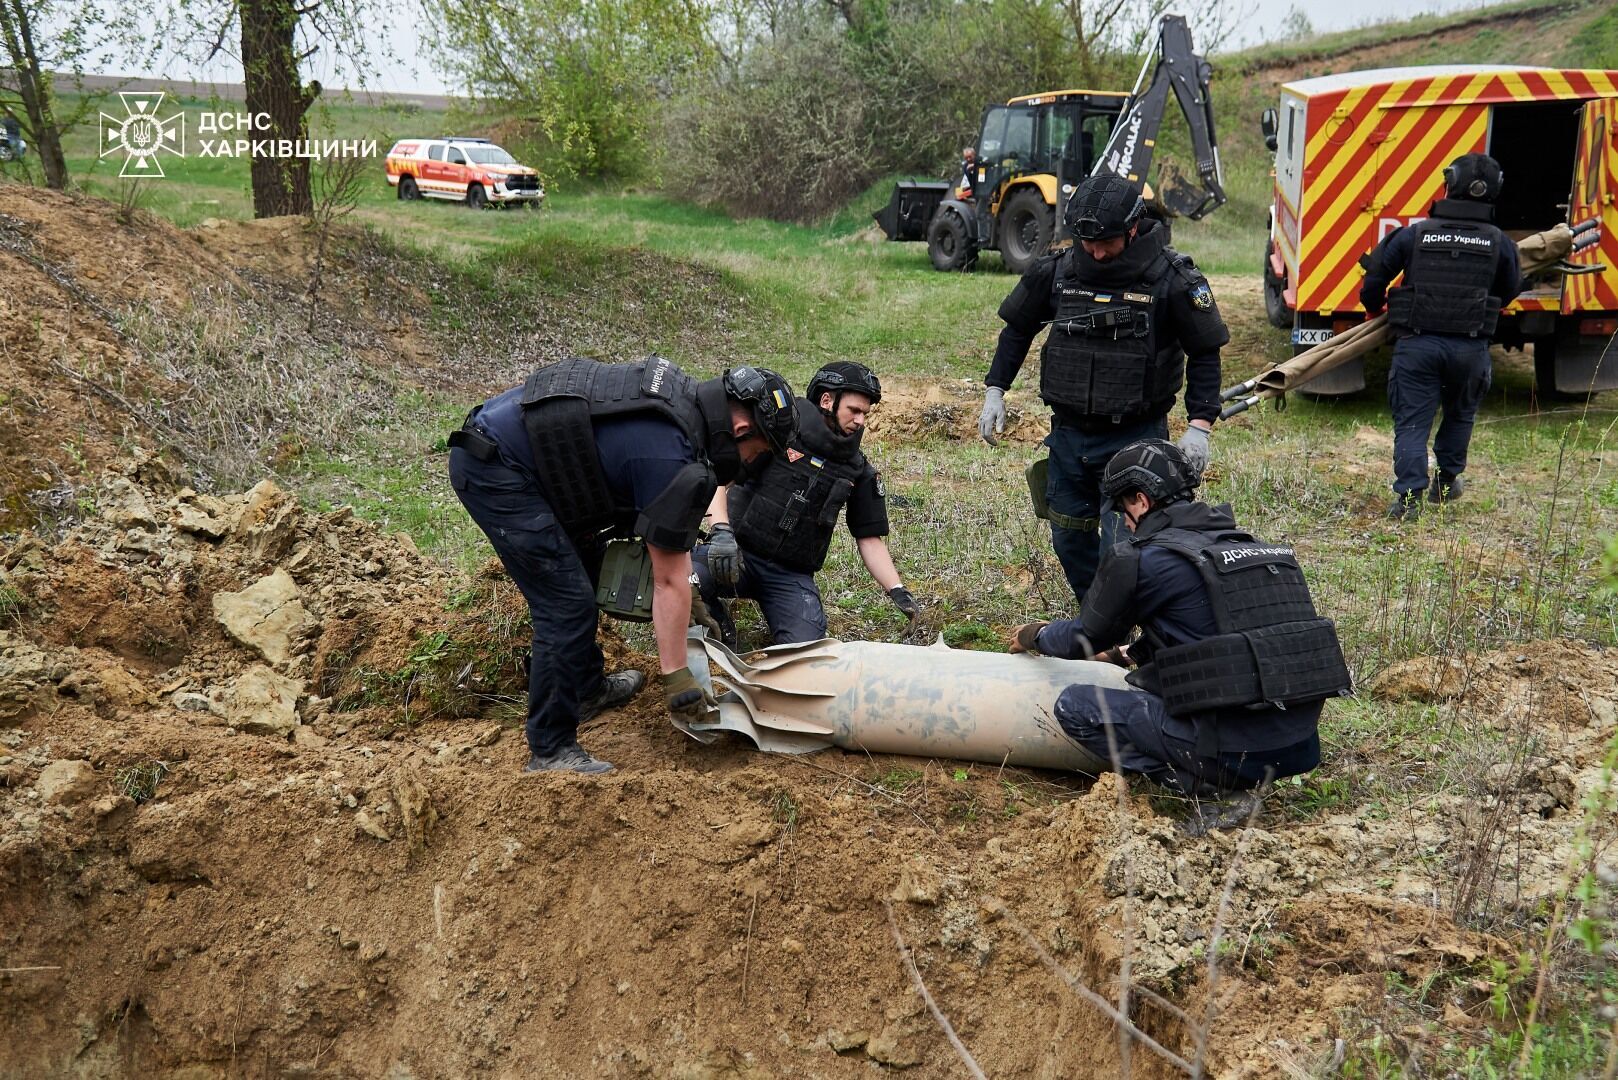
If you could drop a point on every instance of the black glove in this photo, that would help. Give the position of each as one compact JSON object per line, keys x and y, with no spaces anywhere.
{"x":686,"y":698}
{"x":904,"y":601}
{"x":724,"y":557}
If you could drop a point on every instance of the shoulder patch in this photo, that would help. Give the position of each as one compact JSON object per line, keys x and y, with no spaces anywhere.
{"x":881,"y":489}
{"x":1202,"y":296}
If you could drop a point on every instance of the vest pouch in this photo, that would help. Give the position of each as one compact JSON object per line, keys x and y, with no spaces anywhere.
{"x":1448,"y":309}
{"x":1038,"y":475}
{"x":625,"y":589}
{"x":1214,"y":673}
{"x":1299,"y":661}
{"x":841,"y":489}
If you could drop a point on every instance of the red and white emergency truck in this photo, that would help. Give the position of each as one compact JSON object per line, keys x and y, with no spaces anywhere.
{"x":1361,"y":153}
{"x":473,"y":171}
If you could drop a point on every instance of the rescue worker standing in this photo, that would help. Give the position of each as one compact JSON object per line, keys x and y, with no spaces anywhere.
{"x":1131,"y":320}
{"x":770,"y":534}
{"x":1459,"y":271}
{"x":583,"y":452}
{"x":1233,"y":657}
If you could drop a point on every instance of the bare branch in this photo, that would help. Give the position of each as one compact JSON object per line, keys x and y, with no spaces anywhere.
{"x":932,"y":1006}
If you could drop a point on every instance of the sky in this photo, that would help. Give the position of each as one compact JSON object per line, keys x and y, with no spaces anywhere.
{"x":412,"y":73}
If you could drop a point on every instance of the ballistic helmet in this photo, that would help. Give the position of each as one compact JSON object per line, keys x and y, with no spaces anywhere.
{"x":844,"y":376}
{"x":1102,"y":207}
{"x":1476,"y":177}
{"x":770,"y":397}
{"x":1154,"y":467}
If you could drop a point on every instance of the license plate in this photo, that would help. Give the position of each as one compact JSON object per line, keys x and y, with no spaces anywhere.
{"x":1310,"y":337}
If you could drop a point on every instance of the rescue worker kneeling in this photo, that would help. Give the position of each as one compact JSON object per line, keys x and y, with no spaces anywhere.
{"x":771,"y":533}
{"x":585,"y":452}
{"x":1233,"y":657}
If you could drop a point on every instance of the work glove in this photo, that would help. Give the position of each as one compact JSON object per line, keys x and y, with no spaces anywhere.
{"x":724,"y":557}
{"x":904,"y":601}
{"x":992,"y":421}
{"x":686,"y":698}
{"x":700,"y":615}
{"x":1025,"y":638}
{"x":1194,"y":445}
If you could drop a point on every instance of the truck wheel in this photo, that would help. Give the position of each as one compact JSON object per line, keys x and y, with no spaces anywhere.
{"x":407,"y":189}
{"x":1026,"y":227}
{"x":1275,"y":304}
{"x":950,"y":244}
{"x":6,"y":153}
{"x":1545,"y":372}
{"x":475,"y":198}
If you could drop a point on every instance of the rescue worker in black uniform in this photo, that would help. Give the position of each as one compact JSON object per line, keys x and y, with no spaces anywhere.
{"x":770,"y":535}
{"x":584,"y":452}
{"x":1233,"y":658}
{"x":1459,"y":271}
{"x":1131,"y":320}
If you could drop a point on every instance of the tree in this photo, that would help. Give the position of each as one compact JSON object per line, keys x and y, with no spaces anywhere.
{"x":38,"y":39}
{"x":276,"y":38}
{"x":589,"y":74}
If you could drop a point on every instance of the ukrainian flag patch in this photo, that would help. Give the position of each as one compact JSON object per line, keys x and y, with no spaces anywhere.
{"x":780,"y":399}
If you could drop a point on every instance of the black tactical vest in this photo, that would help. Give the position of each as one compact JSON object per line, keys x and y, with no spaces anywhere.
{"x":1272,"y":649}
{"x":789,"y":513}
{"x":1446,"y":284}
{"x":1107,"y":355}
{"x":560,"y":401}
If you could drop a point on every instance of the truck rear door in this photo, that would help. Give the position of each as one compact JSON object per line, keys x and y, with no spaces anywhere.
{"x":1595,"y":185}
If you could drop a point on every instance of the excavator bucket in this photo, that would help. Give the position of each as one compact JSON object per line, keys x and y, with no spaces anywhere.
{"x":911,"y":208}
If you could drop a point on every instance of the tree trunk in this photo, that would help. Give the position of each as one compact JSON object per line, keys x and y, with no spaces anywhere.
{"x":34,"y":87}
{"x":270,"y":65}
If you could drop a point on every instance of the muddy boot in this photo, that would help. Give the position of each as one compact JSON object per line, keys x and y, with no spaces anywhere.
{"x":1231,"y":812}
{"x":1446,"y":489}
{"x":570,"y":758}
{"x":1406,"y":508}
{"x":616,"y":689}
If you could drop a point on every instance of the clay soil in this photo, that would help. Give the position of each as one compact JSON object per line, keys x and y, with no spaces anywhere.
{"x":256,"y":819}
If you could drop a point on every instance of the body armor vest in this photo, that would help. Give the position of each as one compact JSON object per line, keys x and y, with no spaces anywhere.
{"x":1272,"y":648}
{"x":788,"y":514}
{"x":559,"y":403}
{"x":1447,"y":282}
{"x":1106,"y":355}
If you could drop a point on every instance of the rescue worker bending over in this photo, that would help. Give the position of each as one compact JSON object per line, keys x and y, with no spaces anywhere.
{"x":770,"y":534}
{"x":1459,"y":271}
{"x":1125,"y":310}
{"x":584,"y":452}
{"x":1234,"y":659}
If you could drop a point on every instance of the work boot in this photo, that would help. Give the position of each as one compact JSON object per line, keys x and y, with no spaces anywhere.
{"x":1446,"y":489}
{"x":1405,"y":507}
{"x":570,"y":758}
{"x":616,"y":689}
{"x":1231,"y":812}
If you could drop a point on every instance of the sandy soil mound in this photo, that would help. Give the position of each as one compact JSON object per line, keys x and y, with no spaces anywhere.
{"x":231,"y":845}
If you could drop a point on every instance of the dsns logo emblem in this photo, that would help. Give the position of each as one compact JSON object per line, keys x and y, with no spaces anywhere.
{"x":141,"y":135}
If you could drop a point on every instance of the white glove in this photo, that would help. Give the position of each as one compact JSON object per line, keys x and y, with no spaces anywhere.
{"x":1194,"y":445}
{"x":992,"y":421}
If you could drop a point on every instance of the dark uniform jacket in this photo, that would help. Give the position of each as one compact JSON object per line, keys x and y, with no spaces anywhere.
{"x":1500,"y":275}
{"x":1159,"y":590}
{"x":1188,"y":319}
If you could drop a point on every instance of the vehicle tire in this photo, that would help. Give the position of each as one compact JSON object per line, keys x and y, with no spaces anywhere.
{"x":1275,"y":304}
{"x":476,"y":198}
{"x":1545,"y":372}
{"x":5,"y":151}
{"x":1025,"y":229}
{"x":408,"y":190}
{"x":950,"y":244}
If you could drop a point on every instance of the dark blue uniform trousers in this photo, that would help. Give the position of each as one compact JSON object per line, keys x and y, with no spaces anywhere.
{"x":1073,"y":488}
{"x":788,"y":598}
{"x":1429,"y":371}
{"x":1143,"y":742}
{"x":558,"y":583}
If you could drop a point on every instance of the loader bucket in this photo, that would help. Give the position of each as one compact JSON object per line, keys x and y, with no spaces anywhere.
{"x":911,"y":208}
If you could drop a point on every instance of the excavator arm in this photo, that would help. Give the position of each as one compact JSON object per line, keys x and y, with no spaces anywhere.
{"x":1129,"y":151}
